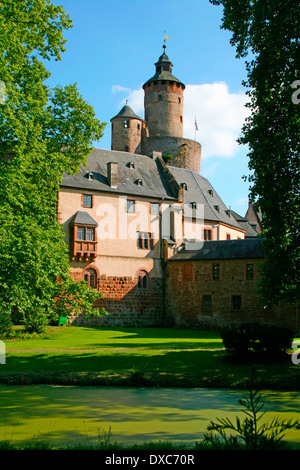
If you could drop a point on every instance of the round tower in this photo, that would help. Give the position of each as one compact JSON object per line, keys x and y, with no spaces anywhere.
{"x":126,"y":131}
{"x":164,"y":101}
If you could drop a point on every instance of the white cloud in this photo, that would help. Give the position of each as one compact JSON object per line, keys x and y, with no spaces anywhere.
{"x":135,"y":98}
{"x":219,"y":115}
{"x":118,"y":88}
{"x":242,"y":201}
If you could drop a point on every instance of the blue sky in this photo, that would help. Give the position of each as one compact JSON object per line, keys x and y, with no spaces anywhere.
{"x":111,"y":51}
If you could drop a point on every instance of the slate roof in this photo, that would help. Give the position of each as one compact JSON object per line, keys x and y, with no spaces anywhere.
{"x":146,"y":169}
{"x":197,"y":191}
{"x":82,"y":217}
{"x":245,"y":224}
{"x":223,"y":249}
{"x":127,"y":112}
{"x":163,"y":76}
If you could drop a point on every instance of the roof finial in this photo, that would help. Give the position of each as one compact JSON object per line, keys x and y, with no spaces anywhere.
{"x":126,"y":102}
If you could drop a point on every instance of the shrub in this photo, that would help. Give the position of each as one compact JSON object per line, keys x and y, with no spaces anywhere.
{"x":246,"y":338}
{"x":5,"y":320}
{"x":35,"y":320}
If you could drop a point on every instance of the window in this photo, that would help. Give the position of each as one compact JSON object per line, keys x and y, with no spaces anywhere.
{"x":206,"y":303}
{"x":90,"y":276}
{"x":228,"y":236}
{"x":130,"y":206}
{"x":85,"y":233}
{"x":143,"y":280}
{"x":236,"y":302}
{"x":145,"y":240}
{"x":250,"y":272}
{"x":180,"y":118}
{"x":216,"y":271}
{"x":90,"y":233}
{"x":80,"y":233}
{"x":126,"y":148}
{"x":159,"y":97}
{"x":87,"y":200}
{"x":207,"y":234}
{"x":154,"y":208}
{"x":126,"y":124}
{"x":179,"y":100}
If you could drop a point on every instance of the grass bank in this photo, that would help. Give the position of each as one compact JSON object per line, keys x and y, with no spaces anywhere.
{"x":154,"y":357}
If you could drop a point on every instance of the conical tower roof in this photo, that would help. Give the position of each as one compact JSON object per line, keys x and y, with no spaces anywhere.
{"x":127,"y":112}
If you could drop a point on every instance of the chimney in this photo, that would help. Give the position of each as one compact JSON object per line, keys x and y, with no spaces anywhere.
{"x":112,"y":174}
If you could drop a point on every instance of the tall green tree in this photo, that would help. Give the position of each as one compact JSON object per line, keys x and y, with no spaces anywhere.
{"x":267,"y":33}
{"x":43,"y":133}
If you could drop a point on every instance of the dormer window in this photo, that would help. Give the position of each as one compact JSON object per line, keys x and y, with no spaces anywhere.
{"x":89,"y":175}
{"x":184,"y":186}
{"x":194,"y":205}
{"x":139,"y":182}
{"x":210,"y":192}
{"x":217,"y":208}
{"x":131,"y":165}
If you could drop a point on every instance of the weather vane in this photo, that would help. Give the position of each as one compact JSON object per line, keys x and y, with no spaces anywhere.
{"x":165,"y":39}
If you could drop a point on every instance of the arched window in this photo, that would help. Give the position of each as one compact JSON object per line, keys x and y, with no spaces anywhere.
{"x":90,"y":276}
{"x":143,"y":279}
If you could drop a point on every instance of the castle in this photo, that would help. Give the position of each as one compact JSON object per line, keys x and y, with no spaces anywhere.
{"x":146,"y":229}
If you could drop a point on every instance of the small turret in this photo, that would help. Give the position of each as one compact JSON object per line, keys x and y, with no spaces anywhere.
{"x":126,"y":131}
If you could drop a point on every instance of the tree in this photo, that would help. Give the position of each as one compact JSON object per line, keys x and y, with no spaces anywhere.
{"x":268,"y":32}
{"x":43,"y":133}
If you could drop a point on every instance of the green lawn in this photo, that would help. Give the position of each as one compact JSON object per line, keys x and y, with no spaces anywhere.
{"x":135,"y":356}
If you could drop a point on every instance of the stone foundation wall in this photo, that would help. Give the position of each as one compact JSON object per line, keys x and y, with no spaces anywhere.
{"x":127,"y":304}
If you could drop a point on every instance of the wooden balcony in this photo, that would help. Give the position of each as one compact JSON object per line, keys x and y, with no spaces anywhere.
{"x":83,"y":250}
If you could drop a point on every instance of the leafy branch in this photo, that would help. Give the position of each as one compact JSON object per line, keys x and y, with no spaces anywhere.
{"x":253,"y":434}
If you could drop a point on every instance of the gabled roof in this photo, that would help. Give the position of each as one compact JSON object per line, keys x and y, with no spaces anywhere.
{"x":223,"y":249}
{"x":199,"y":190}
{"x":154,"y":183}
{"x":250,"y":232}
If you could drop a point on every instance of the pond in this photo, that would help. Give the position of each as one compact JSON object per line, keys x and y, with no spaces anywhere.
{"x":66,"y":415}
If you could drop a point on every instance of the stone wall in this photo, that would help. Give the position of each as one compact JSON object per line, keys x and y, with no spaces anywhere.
{"x":188,"y":281}
{"x":163,"y":103}
{"x":186,"y":152}
{"x":126,"y":139}
{"x":127,"y":304}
